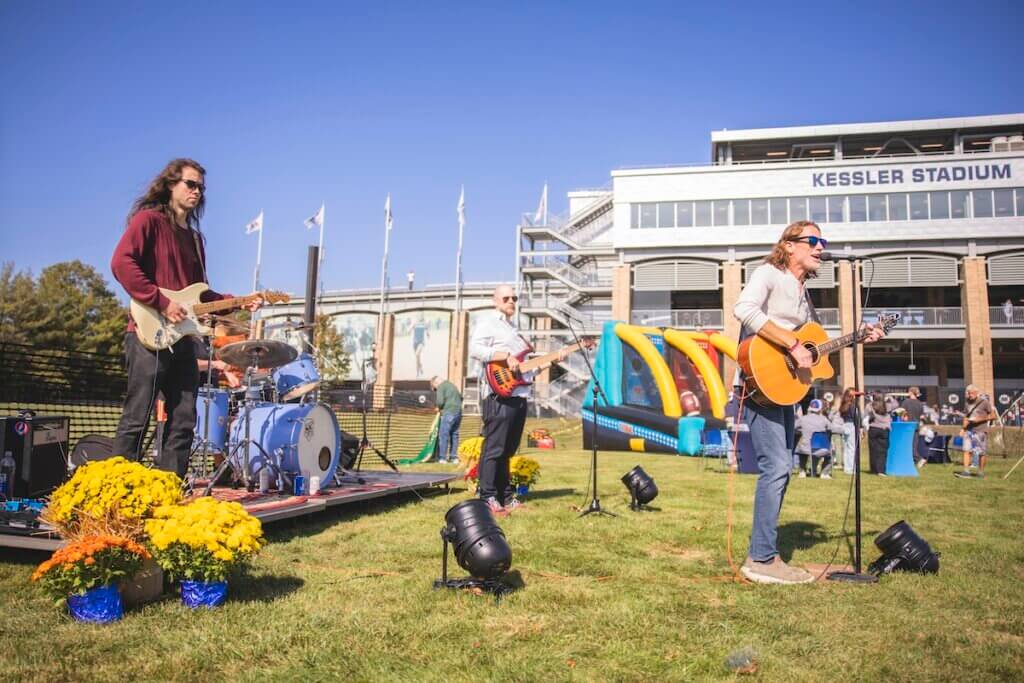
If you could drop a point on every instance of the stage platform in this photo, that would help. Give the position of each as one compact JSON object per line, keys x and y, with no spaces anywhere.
{"x":274,"y":507}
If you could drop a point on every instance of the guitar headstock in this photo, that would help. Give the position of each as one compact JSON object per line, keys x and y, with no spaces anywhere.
{"x":888,"y":321}
{"x":274,"y":297}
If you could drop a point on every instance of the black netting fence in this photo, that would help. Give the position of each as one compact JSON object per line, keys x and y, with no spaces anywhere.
{"x":89,"y":389}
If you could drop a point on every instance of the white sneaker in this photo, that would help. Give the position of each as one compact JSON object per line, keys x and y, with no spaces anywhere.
{"x":775,"y":571}
{"x":826,"y":476}
{"x":802,"y":475}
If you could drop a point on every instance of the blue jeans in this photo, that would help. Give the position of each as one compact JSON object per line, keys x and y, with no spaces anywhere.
{"x":448,"y":437}
{"x":771,"y":432}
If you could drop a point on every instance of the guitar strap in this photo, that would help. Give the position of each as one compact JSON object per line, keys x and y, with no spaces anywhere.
{"x":810,"y":305}
{"x":199,"y":255}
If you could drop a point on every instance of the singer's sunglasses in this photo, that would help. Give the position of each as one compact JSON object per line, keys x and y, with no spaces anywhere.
{"x":193,"y":185}
{"x":812,"y":241}
{"x":513,"y":299}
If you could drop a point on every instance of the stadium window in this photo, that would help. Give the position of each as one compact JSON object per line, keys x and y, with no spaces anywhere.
{"x":721,"y":211}
{"x":702,"y":214}
{"x":918,"y":206}
{"x":959,"y":200}
{"x":741,"y":212}
{"x":759,"y":210}
{"x":818,"y":209}
{"x":898,"y":206}
{"x":982,"y":200}
{"x":797,"y":209}
{"x":835,"y":209}
{"x":778,"y":211}
{"x":648,"y":216}
{"x":1020,"y":201}
{"x":876,"y":208}
{"x":666,"y":215}
{"x":684,"y":214}
{"x":939,"y":204}
{"x":634,"y":215}
{"x":1003,"y":202}
{"x":858,"y":208}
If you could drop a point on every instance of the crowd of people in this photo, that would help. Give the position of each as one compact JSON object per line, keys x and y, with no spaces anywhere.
{"x":825,"y":433}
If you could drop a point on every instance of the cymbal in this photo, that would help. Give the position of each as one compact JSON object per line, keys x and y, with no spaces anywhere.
{"x":261,"y":353}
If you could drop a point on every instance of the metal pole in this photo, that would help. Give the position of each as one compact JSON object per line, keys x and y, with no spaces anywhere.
{"x":259,"y":257}
{"x":310,"y":307}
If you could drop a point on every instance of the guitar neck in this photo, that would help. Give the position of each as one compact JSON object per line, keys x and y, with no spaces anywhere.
{"x":540,"y":361}
{"x":223,"y":304}
{"x":833,"y":345}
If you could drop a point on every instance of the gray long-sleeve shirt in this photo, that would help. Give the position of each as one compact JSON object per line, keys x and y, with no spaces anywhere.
{"x":810,"y":423}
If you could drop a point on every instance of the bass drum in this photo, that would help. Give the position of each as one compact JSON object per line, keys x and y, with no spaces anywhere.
{"x":303,"y":438}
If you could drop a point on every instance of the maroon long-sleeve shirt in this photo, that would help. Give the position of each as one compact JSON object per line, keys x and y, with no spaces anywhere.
{"x":155,"y":253}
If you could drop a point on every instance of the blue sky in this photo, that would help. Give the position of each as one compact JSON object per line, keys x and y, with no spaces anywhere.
{"x":343,"y":103}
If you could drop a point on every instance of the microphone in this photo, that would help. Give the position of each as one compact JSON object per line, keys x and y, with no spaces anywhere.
{"x":837,"y":256}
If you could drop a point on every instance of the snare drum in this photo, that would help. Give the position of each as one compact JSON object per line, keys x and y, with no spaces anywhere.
{"x":218,"y":412}
{"x":296,"y":379}
{"x":303,"y":438}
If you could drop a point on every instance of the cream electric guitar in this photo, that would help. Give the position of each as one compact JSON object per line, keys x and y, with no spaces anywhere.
{"x":156,"y":332}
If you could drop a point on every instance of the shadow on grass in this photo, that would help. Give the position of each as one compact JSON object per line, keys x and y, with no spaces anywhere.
{"x":264,"y":588}
{"x":800,"y":536}
{"x":549,"y":493}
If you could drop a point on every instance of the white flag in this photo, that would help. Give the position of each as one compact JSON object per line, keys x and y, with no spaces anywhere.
{"x":387,"y":213}
{"x":462,"y":209}
{"x":316,"y":220}
{"x":255,"y":225}
{"x":542,"y":208}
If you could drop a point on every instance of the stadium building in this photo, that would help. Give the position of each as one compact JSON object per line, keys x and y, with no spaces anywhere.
{"x":933,"y":211}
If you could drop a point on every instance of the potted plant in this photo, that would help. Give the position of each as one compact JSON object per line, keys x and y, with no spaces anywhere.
{"x":201,"y":543}
{"x":469,"y":458}
{"x":84,"y":574}
{"x":523,"y":472}
{"x":114,"y":497}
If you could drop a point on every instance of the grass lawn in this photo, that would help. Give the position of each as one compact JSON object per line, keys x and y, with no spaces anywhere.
{"x":642,"y":596}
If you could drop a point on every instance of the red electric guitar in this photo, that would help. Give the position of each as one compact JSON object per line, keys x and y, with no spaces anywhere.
{"x":503,"y":381}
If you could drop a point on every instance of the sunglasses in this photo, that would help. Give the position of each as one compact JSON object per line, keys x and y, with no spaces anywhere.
{"x":506,"y":299}
{"x":812,"y":241}
{"x":193,"y":185}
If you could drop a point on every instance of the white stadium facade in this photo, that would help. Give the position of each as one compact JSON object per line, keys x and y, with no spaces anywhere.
{"x":932,"y":212}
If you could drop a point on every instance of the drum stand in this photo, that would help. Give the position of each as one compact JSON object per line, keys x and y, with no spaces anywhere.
{"x":205,"y":441}
{"x":240,"y":475}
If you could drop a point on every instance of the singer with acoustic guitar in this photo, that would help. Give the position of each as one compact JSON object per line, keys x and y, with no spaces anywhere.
{"x":772,"y":305}
{"x":162,"y":249}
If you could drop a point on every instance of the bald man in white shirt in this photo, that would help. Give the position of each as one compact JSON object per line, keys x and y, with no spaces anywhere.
{"x":495,"y":338}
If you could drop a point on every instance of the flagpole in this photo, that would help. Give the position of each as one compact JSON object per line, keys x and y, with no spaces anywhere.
{"x":259,"y":257}
{"x":384,"y":265}
{"x":320,"y":251}
{"x":458,"y":254}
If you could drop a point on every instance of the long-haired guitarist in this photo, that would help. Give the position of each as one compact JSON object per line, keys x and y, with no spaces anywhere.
{"x":163,"y":247}
{"x":495,"y":338}
{"x":772,"y":304}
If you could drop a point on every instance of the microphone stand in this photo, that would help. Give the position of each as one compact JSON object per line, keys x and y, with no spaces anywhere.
{"x":594,"y":507}
{"x":856,"y":576}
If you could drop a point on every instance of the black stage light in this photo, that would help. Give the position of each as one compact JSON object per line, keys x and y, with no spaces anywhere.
{"x":903,"y":550}
{"x":480,"y":547}
{"x":642,"y":489}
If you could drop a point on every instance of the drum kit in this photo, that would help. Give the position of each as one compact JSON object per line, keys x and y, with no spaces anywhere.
{"x":279,"y":432}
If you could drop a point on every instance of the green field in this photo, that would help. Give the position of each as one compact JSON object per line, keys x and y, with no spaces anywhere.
{"x":640,"y":597}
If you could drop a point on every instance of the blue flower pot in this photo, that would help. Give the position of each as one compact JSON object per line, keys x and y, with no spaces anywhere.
{"x":522,"y":489}
{"x":197,"y":594}
{"x":98,"y":606}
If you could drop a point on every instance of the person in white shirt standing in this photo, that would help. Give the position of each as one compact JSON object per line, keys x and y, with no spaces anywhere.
{"x":495,"y":338}
{"x":773,"y":303}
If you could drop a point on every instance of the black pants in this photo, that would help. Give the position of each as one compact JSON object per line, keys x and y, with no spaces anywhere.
{"x":878,"y":448}
{"x":173,"y":373}
{"x":504,"y":419}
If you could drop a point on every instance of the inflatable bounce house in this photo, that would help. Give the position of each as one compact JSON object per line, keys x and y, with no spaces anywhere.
{"x":663,"y":389}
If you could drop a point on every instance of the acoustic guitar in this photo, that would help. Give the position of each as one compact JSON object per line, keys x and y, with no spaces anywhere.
{"x":156,"y":332}
{"x":772,"y":377}
{"x":504,"y":381}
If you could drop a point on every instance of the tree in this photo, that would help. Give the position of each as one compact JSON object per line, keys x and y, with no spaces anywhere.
{"x":18,"y":306}
{"x":332,"y":360}
{"x":68,"y":307}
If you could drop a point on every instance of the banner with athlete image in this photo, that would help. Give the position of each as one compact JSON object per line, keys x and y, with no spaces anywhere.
{"x":421,"y":345}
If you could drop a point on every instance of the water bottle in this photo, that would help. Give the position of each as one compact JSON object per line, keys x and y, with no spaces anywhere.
{"x":7,"y":467}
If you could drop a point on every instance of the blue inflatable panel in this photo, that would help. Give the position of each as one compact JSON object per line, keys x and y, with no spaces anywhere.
{"x":899,"y":461}
{"x":608,"y":367}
